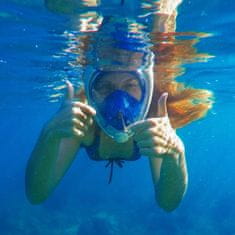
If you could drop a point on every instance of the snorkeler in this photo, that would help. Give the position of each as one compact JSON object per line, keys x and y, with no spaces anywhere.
{"x":74,"y":126}
{"x":123,"y":108}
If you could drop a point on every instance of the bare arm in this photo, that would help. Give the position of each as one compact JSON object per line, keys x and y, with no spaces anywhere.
{"x":56,"y":148}
{"x":48,"y":162}
{"x":170,"y":180}
{"x":157,"y":140}
{"x":165,"y":18}
{"x":169,"y":173}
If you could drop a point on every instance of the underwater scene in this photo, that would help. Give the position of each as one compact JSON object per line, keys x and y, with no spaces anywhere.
{"x":53,"y":51}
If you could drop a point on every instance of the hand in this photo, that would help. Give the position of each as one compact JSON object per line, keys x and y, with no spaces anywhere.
{"x":155,"y":137}
{"x":74,"y":117}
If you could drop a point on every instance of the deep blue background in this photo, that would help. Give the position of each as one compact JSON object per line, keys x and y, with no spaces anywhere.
{"x":84,"y":203}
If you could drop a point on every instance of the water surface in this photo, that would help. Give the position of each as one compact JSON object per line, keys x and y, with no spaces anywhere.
{"x":35,"y":60}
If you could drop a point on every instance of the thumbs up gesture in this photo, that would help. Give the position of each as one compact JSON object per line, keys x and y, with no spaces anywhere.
{"x":74,"y":117}
{"x":155,"y":137}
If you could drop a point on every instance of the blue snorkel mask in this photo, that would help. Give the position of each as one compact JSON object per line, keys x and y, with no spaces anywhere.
{"x":120,"y":109}
{"x":120,"y":98}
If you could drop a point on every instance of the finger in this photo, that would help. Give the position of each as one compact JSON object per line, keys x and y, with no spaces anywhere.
{"x":152,"y":152}
{"x":73,"y":130}
{"x":152,"y":142}
{"x":79,"y":124}
{"x":86,"y":119}
{"x":159,"y":150}
{"x":68,"y":131}
{"x":148,"y":134}
{"x":70,"y":90}
{"x":149,"y":123}
{"x":77,"y":132}
{"x":77,"y":113}
{"x":141,"y":125}
{"x":89,"y":121}
{"x":80,"y":94}
{"x":68,"y":125}
{"x":162,"y":108}
{"x":85,"y":108}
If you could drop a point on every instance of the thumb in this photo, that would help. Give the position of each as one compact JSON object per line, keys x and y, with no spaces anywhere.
{"x":161,"y":106}
{"x":70,"y":91}
{"x":80,"y":95}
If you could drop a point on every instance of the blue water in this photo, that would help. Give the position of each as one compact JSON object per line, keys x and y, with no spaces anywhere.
{"x":33,"y":66}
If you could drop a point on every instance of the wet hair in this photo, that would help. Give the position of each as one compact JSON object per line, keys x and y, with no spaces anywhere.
{"x":184,"y":104}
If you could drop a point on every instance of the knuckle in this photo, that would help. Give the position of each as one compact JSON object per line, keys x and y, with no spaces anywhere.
{"x":159,"y":129}
{"x":75,"y":104}
{"x":152,"y":122}
{"x":159,"y":150}
{"x":89,"y":121}
{"x":167,"y":137}
{"x":159,"y":121}
{"x":79,"y":123}
{"x":74,"y":130}
{"x":155,"y":140}
{"x":163,"y":121}
{"x":82,"y":115}
{"x":74,"y":110}
{"x":78,"y":112}
{"x":156,"y":149}
{"x":77,"y":132}
{"x":171,"y":141}
{"x":74,"y":121}
{"x":152,"y":131}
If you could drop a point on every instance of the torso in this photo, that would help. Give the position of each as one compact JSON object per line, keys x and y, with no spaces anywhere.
{"x":105,"y":148}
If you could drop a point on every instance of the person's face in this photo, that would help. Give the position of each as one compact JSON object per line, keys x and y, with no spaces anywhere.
{"x":117,"y":81}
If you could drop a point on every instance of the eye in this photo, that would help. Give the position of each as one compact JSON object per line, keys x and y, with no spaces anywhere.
{"x":133,"y":88}
{"x":131,"y":85}
{"x":104,"y":88}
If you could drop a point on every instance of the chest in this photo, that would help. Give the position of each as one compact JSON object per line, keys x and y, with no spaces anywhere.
{"x":109,"y":149}
{"x":105,"y":148}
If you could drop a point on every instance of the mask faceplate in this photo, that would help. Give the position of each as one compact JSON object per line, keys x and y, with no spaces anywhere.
{"x":120,"y":98}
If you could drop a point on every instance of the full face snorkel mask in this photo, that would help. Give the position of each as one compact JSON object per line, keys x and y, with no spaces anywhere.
{"x":120,"y":98}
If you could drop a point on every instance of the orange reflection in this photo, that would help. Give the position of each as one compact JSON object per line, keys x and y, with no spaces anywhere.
{"x":172,"y":50}
{"x":185,"y":103}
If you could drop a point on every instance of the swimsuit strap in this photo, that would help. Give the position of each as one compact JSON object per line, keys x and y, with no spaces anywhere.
{"x":110,"y":163}
{"x":92,"y":151}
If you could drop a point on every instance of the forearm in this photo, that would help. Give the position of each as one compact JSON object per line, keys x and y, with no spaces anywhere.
{"x":164,"y":19}
{"x":47,"y":165}
{"x":172,"y":184}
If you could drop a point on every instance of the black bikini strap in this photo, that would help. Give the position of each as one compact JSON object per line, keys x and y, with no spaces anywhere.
{"x":111,"y":164}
